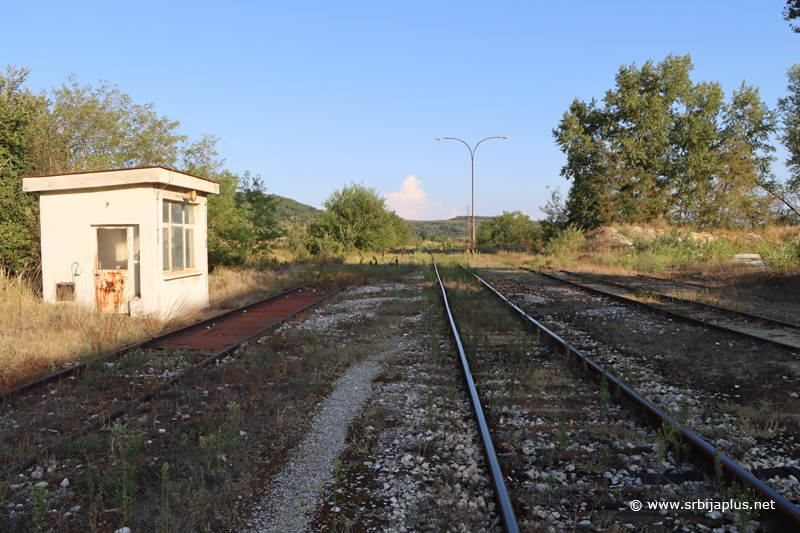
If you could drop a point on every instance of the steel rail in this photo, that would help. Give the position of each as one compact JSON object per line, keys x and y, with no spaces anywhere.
{"x":506,"y":511}
{"x":674,"y":299}
{"x":786,"y":512}
{"x":141,"y":344}
{"x":105,"y":419}
{"x":666,"y":312}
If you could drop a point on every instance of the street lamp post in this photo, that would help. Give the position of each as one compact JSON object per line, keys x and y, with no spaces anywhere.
{"x":472,"y":159}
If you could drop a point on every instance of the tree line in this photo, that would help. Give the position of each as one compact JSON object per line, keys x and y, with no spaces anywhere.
{"x":659,"y":146}
{"x":78,"y":128}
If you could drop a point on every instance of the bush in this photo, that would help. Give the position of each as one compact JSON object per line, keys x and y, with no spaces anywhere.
{"x":509,"y":230}
{"x":565,"y":241}
{"x":356,"y":218}
{"x":783,"y":257}
{"x":681,"y":246}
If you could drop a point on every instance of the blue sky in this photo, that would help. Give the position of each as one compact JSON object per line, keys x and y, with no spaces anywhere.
{"x":315,"y":95}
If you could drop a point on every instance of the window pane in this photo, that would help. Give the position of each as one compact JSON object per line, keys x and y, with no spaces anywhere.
{"x":165,"y":211}
{"x":177,"y":248}
{"x":177,"y":215}
{"x":189,"y":248}
{"x":112,"y":249}
{"x":188,"y":214}
{"x":165,"y":247}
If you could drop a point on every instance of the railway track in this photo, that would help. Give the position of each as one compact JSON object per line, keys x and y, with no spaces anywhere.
{"x":563,"y":448}
{"x":204,"y":335}
{"x":90,"y":395}
{"x":723,"y":293}
{"x":775,"y":332}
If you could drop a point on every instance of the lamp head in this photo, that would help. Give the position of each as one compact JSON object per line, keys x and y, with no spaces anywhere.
{"x":505,"y":137}
{"x":439,"y":138}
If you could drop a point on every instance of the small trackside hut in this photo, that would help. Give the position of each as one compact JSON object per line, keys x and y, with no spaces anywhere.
{"x":125,"y":241}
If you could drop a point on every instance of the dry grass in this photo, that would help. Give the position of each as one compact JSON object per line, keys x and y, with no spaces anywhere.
{"x":230,"y":288}
{"x":36,"y":338}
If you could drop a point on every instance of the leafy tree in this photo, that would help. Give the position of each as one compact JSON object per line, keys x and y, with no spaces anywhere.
{"x":103,"y":129}
{"x":662,"y":146}
{"x":789,"y":108}
{"x":509,"y":229}
{"x":228,"y":224}
{"x":21,"y":117}
{"x":242,"y":218}
{"x":262,"y":213}
{"x":402,"y":231}
{"x":792,"y":12}
{"x":556,"y":214}
{"x":356,"y":217}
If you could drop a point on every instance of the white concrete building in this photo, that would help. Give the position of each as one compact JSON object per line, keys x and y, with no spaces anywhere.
{"x":127,"y":241}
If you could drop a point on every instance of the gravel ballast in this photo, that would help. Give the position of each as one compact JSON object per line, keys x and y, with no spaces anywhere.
{"x":292,"y":494}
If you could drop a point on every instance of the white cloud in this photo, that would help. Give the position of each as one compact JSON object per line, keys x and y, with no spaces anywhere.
{"x":411,"y":203}
{"x":453,"y":212}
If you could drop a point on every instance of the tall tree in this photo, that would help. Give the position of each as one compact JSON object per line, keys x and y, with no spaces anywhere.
{"x":789,"y":109}
{"x":242,"y":218}
{"x":102,"y":128}
{"x":660,"y":146}
{"x":21,"y":114}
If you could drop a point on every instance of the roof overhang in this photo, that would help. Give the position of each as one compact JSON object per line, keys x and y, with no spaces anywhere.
{"x":157,"y":176}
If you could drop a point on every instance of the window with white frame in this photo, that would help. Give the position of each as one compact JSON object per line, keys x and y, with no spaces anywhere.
{"x":177,"y":236}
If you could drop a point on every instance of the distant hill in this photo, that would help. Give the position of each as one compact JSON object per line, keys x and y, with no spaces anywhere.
{"x":457,"y":229}
{"x":288,"y":208}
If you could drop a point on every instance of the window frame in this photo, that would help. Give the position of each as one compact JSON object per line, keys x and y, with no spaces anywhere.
{"x":170,"y":230}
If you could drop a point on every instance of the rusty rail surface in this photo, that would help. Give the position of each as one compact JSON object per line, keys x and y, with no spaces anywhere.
{"x":665,"y":312}
{"x":506,"y":511}
{"x":105,"y":419}
{"x":785,"y":513}
{"x":144,"y":344}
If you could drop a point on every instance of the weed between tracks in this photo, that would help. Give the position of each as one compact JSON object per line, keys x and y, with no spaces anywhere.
{"x":570,"y":454}
{"x":191,"y":459}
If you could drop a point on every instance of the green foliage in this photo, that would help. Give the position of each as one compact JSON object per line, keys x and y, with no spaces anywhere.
{"x":566,"y":241}
{"x":88,"y":128}
{"x":356,"y":217}
{"x":103,"y":129}
{"x":509,"y":229}
{"x":22,"y":114}
{"x":295,"y":214}
{"x":663,"y":146}
{"x":242,"y":218}
{"x":680,"y":247}
{"x":791,"y":12}
{"x":39,"y":506}
{"x":125,"y":448}
{"x":789,"y":109}
{"x":782,"y":257}
{"x":556,"y":214}
{"x":744,"y":509}
{"x":456,"y":229}
{"x":163,"y":522}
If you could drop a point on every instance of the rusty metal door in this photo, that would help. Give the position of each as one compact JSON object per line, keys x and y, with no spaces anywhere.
{"x":113,"y":272}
